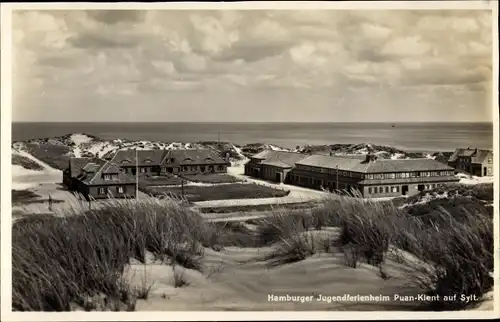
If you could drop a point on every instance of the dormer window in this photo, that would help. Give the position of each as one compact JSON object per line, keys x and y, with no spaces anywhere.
{"x":147,"y":161}
{"x":107,"y":177}
{"x":125,"y":161}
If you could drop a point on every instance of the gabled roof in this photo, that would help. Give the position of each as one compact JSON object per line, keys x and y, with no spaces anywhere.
{"x":91,"y":167}
{"x":77,"y":164}
{"x":146,"y":157}
{"x":378,"y":166}
{"x":480,"y":156}
{"x":90,"y":170}
{"x":477,"y":155}
{"x":193,"y":156}
{"x":281,"y":159}
{"x":109,"y":168}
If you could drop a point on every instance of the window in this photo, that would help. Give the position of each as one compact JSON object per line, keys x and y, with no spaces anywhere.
{"x":184,"y":168}
{"x":386,"y":189}
{"x":397,"y":189}
{"x":107,"y":177}
{"x":369,"y":190}
{"x":394,"y":189}
{"x":221,"y":167}
{"x":490,"y":160}
{"x":194,"y":168}
{"x":102,"y":191}
{"x":381,"y":189}
{"x":120,"y":189}
{"x":143,"y":170}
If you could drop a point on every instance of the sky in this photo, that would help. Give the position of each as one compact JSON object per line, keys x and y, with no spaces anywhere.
{"x":252,"y":66}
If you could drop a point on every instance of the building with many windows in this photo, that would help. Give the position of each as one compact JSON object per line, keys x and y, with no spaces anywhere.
{"x":370,"y":176}
{"x":98,"y":179}
{"x":473,"y":161}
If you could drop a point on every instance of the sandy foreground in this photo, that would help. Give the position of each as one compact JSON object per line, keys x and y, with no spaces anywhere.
{"x":239,"y":278}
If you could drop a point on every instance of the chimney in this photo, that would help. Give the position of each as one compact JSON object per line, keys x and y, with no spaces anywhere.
{"x":475,"y":151}
{"x":370,"y":157}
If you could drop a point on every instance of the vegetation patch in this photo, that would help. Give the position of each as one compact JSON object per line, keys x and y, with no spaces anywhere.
{"x":25,"y":162}
{"x":26,"y":197}
{"x":229,"y":191}
{"x":259,"y":208}
{"x":61,"y":261}
{"x":55,"y":155}
{"x":212,"y":178}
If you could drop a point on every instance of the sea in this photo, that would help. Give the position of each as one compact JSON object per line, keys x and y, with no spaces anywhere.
{"x":406,"y":136}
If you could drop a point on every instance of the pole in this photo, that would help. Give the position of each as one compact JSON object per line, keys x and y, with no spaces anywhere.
{"x":182,"y":188}
{"x":136,"y":174}
{"x":337,"y":177}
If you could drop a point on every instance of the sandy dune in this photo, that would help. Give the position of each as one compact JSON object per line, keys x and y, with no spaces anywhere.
{"x":237,"y":279}
{"x":24,"y":178}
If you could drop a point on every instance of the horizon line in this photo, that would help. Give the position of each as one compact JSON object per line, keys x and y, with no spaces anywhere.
{"x":261,"y":122}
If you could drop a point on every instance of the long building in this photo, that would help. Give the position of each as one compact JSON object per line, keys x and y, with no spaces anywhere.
{"x":368,"y":175}
{"x":272,"y":165}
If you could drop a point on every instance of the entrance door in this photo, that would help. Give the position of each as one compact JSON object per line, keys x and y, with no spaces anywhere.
{"x":278,"y":177}
{"x":404,"y":190}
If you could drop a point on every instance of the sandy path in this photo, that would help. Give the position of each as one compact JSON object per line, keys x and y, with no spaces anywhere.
{"x":236,"y":279}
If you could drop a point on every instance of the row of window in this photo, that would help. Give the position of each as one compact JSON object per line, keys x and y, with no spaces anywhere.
{"x":110,"y":176}
{"x":396,"y":189}
{"x":183,"y":169}
{"x":400,"y":175}
{"x":316,"y":182}
{"x":381,"y":189}
{"x":106,"y":190}
{"x":371,"y":176}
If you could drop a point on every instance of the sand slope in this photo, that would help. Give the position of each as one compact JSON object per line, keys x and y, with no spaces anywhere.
{"x":238,"y":279}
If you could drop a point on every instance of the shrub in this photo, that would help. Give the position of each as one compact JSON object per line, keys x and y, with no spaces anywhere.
{"x":60,"y":261}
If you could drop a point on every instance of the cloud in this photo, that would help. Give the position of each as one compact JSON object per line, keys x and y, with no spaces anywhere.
{"x":122,"y":53}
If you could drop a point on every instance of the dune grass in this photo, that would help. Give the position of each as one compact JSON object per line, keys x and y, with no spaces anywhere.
{"x":454,"y":245}
{"x":61,"y":261}
{"x":58,"y":262}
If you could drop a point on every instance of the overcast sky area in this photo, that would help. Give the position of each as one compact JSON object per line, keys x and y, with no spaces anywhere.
{"x":267,"y":66}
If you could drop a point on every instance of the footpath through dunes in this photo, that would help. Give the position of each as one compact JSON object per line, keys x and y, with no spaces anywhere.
{"x":238,"y":279}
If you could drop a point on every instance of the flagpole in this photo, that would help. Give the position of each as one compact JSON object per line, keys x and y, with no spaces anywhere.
{"x":136,"y":174}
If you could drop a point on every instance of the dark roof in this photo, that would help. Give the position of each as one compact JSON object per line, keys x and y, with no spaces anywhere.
{"x":280,"y":159}
{"x":480,"y":156}
{"x":77,"y":164}
{"x":477,"y":155}
{"x":109,"y":168}
{"x":90,"y":170}
{"x":146,"y":157}
{"x":378,"y":166}
{"x":194,"y":156}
